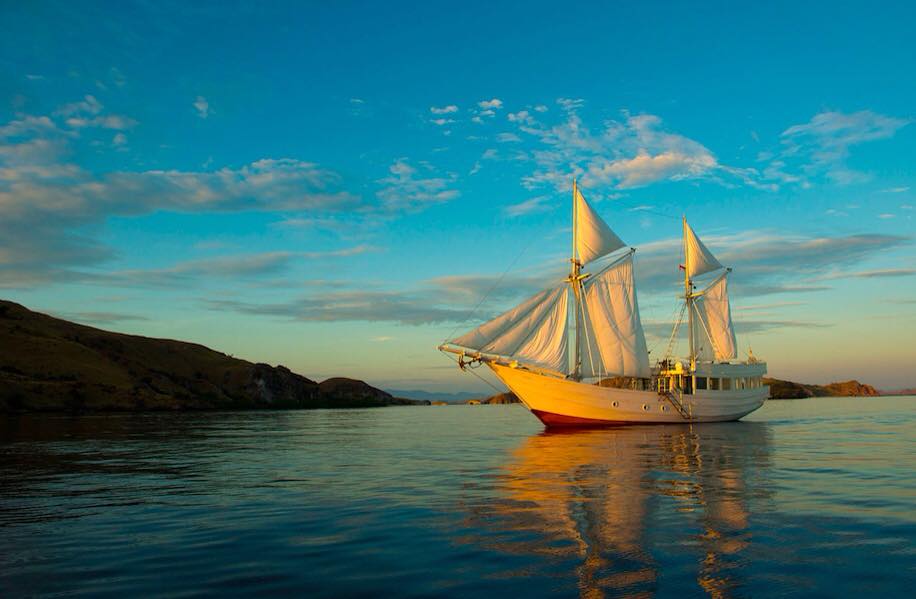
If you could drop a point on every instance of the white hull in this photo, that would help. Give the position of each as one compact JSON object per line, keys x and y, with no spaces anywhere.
{"x":562,"y":402}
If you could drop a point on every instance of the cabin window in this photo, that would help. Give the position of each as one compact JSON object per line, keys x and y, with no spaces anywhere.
{"x":701,"y":383}
{"x":726,"y":384}
{"x":713,"y":384}
{"x":688,"y":385}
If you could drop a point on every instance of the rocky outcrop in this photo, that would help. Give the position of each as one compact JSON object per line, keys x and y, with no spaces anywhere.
{"x":780,"y":389}
{"x":501,"y":398}
{"x":49,"y":364}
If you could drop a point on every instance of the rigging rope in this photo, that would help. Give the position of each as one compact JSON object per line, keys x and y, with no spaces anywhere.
{"x":471,"y":370}
{"x":491,"y":289}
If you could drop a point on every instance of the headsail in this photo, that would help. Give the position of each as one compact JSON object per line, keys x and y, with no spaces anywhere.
{"x":718,"y":331}
{"x":699,"y":260}
{"x":593,"y":238}
{"x":612,"y":340}
{"x":534,"y":332}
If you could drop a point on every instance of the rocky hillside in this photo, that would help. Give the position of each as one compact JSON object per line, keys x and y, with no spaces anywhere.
{"x":49,"y":364}
{"x":789,"y":390}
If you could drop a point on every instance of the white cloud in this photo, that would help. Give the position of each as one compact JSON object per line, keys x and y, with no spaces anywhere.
{"x":508,"y":138}
{"x":202,"y":107}
{"x":443,"y":109}
{"x":494,"y":104}
{"x":45,"y":202}
{"x":441,"y":122}
{"x":624,"y":154}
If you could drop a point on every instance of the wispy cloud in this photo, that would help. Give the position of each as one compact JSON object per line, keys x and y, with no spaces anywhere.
{"x":405,"y":188}
{"x":100,"y":318}
{"x":359,"y":306}
{"x":202,"y":107}
{"x":879,"y":273}
{"x":192,"y":272}
{"x":451,"y":108}
{"x":535,"y":204}
{"x":822,"y":145}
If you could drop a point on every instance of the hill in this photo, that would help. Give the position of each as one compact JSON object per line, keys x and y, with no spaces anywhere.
{"x":49,"y":364}
{"x":789,"y":390}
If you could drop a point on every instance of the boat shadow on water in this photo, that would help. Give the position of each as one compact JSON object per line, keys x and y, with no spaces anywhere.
{"x":621,"y":505}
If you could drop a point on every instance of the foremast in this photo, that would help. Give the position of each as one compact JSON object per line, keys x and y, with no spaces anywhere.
{"x":688,"y":295}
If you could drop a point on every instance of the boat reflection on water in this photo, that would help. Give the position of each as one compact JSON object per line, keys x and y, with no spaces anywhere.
{"x":628,"y":508}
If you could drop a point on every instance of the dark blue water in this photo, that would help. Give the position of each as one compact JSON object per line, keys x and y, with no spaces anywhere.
{"x":809,"y":497}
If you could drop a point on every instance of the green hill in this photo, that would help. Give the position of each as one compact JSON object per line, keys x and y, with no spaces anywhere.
{"x":49,"y":364}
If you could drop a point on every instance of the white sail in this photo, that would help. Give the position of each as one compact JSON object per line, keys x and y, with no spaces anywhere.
{"x":717,"y":333}
{"x":534,"y":332}
{"x":593,"y":238}
{"x":612,"y":342}
{"x":699,"y":260}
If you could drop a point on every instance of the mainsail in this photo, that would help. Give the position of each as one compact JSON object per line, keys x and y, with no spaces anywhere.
{"x":715,"y":338}
{"x":609,"y":335}
{"x":716,"y":320}
{"x":612,"y":339}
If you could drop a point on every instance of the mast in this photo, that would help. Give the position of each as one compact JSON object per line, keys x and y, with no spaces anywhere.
{"x":574,"y":280}
{"x":688,"y":298}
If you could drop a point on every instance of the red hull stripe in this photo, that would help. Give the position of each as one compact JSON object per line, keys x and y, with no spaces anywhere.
{"x":559,"y":420}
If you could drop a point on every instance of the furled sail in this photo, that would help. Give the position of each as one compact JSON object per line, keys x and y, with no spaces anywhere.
{"x":716,"y":330}
{"x":699,"y":260}
{"x":612,"y":342}
{"x":534,"y":332}
{"x":593,"y":238}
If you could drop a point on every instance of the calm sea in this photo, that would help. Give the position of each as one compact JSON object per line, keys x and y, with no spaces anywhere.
{"x":809,"y":497}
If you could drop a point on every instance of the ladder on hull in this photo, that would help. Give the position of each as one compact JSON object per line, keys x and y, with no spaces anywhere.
{"x":674,"y":399}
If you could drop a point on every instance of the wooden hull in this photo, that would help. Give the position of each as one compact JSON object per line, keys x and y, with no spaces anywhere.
{"x":564,"y":403}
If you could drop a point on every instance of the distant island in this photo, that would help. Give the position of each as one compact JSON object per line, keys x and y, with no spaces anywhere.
{"x":788,"y":390}
{"x":50,"y":364}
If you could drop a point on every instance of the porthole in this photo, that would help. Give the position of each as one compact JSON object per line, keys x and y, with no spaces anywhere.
{"x":645,"y":407}
{"x":664,"y":408}
{"x":615,"y":404}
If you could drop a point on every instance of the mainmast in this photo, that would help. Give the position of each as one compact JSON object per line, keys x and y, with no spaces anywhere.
{"x":574,"y":280}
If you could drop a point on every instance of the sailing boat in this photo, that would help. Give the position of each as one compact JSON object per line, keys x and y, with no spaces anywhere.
{"x":609,"y":379}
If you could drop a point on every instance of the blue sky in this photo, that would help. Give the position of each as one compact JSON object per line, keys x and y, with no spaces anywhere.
{"x":333,"y":186}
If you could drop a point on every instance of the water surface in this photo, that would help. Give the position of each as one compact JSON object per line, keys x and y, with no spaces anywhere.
{"x":813,"y":497}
